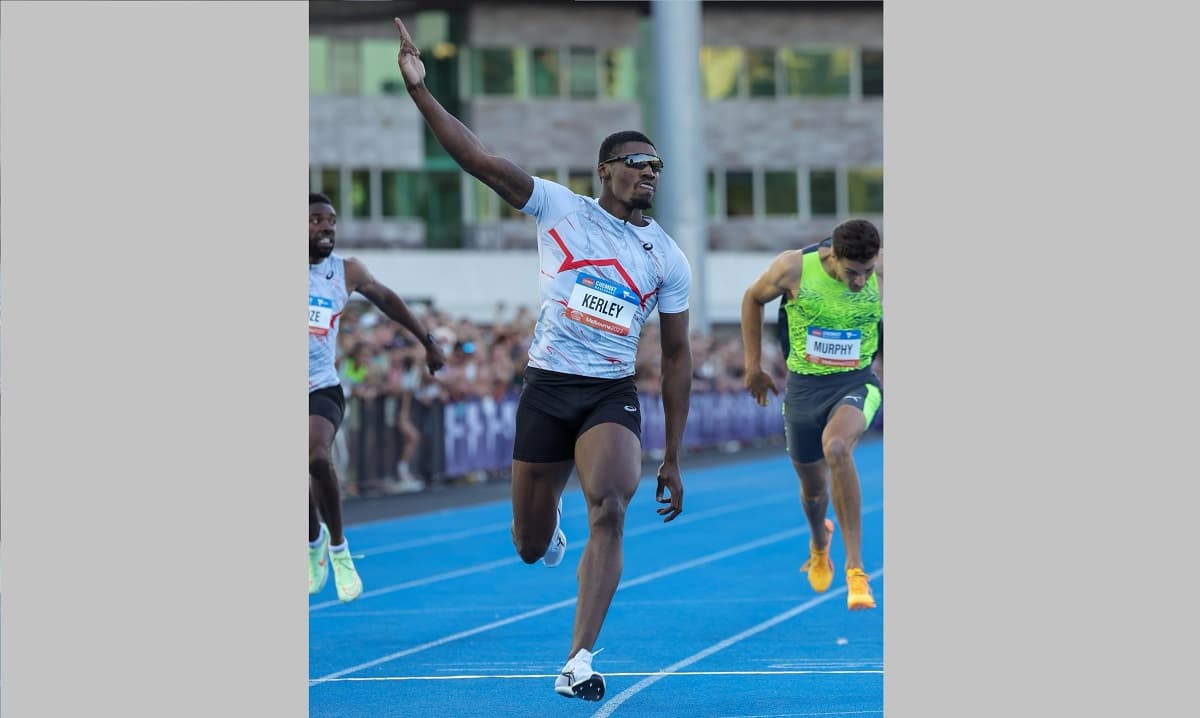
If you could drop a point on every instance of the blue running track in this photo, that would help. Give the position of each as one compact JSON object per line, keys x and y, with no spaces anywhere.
{"x":712,"y":618}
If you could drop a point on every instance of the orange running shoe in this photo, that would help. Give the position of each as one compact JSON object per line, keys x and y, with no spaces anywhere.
{"x":819,"y":566}
{"x":859,"y":595}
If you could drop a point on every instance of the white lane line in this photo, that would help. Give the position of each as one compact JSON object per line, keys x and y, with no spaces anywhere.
{"x":436,"y":578}
{"x":572,"y":546}
{"x":609,"y":707}
{"x":439,"y":538}
{"x":518,"y":676}
{"x":443,"y":610}
{"x":705,"y":473}
{"x":645,"y":578}
{"x":499,"y":526}
{"x":441,"y":641}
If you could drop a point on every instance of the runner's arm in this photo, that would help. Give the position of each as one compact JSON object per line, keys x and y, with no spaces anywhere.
{"x":676,"y":378}
{"x":358,"y":279}
{"x":513,"y":184}
{"x":780,"y":277}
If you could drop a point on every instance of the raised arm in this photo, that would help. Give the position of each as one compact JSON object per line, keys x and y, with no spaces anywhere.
{"x":781,"y":276}
{"x":513,"y":184}
{"x":358,"y":279}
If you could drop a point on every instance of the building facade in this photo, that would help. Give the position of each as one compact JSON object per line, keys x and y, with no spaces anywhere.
{"x":792,"y":103}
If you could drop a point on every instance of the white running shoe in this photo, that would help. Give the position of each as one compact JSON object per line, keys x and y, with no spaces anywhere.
{"x":318,"y":563}
{"x":578,"y":680}
{"x":558,"y":544}
{"x":345,"y":576}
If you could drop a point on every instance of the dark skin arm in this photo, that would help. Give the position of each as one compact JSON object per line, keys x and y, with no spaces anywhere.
{"x":513,"y":184}
{"x":778,"y":280}
{"x":676,"y":397}
{"x":358,"y":279}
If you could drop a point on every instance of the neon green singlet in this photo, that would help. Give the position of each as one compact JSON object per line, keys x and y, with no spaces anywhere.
{"x":831,"y":329}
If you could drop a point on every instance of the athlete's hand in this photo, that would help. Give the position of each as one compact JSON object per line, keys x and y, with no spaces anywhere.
{"x":668,"y":479}
{"x":434,"y":358}
{"x":758,"y":382}
{"x":409,"y":59}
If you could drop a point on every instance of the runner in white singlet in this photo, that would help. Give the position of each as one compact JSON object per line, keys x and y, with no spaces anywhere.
{"x":604,"y":267}
{"x":331,"y":281}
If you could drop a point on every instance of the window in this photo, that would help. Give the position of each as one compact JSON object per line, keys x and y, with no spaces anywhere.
{"x":331,"y":185}
{"x":739,"y":193}
{"x":443,"y":211}
{"x":318,"y":65}
{"x":380,"y":74}
{"x":822,"y":192}
{"x":584,"y":79}
{"x":345,"y":55}
{"x":494,"y":71}
{"x":484,"y":200}
{"x":433,"y":196}
{"x":360,"y":193}
{"x":433,"y":27}
{"x":442,"y":79}
{"x":720,"y":68}
{"x":760,"y":72}
{"x":818,"y":73}
{"x":547,"y":71}
{"x":872,"y":73}
{"x":781,"y":192}
{"x":582,"y":72}
{"x":580,"y":182}
{"x":712,"y":194}
{"x":864,"y":191}
{"x":402,"y":193}
{"x":620,"y":73}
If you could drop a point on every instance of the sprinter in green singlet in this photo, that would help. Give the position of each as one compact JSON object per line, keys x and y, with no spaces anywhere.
{"x":831,"y":302}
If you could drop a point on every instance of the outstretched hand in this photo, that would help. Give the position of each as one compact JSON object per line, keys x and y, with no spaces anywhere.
{"x":669,"y":480}
{"x":409,"y":58}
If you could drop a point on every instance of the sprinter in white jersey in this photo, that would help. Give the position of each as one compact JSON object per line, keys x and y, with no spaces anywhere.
{"x":604,"y":268}
{"x":331,"y":281}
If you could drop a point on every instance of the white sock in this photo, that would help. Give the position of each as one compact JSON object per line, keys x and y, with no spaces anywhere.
{"x":340,"y":547}
{"x":320,"y":538}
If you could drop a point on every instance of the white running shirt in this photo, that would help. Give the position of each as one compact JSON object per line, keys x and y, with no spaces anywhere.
{"x":600,"y":279}
{"x":326,"y":300}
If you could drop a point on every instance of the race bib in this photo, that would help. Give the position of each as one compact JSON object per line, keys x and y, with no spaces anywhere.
{"x":603,"y":305}
{"x":833,"y":347}
{"x":320,"y":315}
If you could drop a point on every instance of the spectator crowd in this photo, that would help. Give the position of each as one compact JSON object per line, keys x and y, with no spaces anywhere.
{"x":394,"y":405}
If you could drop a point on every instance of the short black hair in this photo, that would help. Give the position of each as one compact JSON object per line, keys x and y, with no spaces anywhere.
{"x":319,"y":198}
{"x":856,"y":240}
{"x":617,"y":139}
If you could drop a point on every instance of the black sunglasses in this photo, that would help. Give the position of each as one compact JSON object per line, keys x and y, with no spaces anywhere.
{"x":638,"y":161}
